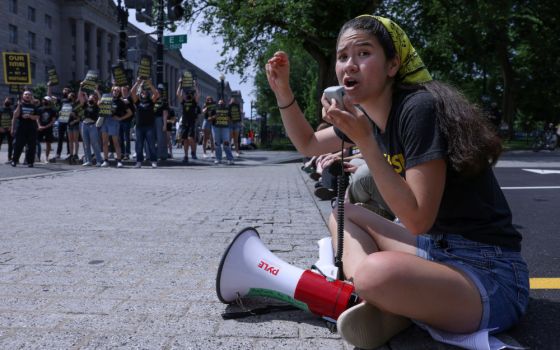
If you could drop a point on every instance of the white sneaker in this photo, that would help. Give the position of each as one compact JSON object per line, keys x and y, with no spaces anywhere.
{"x":204,"y":155}
{"x":367,"y":327}
{"x":105,"y":164}
{"x":138,"y":165}
{"x":97,"y":165}
{"x":119,"y":164}
{"x":230,"y":162}
{"x":154,"y":165}
{"x":86,"y":164}
{"x":217,"y":161}
{"x":237,"y":154}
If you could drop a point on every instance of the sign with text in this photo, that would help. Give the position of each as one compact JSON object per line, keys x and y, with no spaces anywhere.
{"x":106,"y":106}
{"x":174,"y":39}
{"x":187,"y":81}
{"x":145,"y":67}
{"x":16,"y":89}
{"x":119,"y":75}
{"x":52,"y":77}
{"x":90,"y":81}
{"x":17,"y":68}
{"x":64,"y":114}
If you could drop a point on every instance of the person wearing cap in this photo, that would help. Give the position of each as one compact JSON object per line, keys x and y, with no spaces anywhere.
{"x":451,"y":261}
{"x":47,"y":117}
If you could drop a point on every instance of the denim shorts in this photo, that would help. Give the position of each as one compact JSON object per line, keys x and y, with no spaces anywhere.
{"x":500,"y":274}
{"x":235,"y":126}
{"x":110,"y":126}
{"x":206,"y":124}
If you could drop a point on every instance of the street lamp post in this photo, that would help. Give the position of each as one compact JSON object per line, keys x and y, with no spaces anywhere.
{"x":222,"y":79}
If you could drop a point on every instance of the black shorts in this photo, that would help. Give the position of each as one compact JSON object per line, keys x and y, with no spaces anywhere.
{"x":187,"y":131}
{"x":45,"y":135}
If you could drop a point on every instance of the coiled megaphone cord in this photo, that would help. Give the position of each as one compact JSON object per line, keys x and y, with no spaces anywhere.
{"x":340,"y":215}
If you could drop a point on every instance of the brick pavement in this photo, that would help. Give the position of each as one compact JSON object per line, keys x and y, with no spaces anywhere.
{"x":127,"y":258}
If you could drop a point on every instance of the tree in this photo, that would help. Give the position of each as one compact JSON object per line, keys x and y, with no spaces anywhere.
{"x":248,"y":26}
{"x":491,"y":50}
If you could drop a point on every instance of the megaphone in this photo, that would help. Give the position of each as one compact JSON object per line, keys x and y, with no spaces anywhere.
{"x":249,"y":269}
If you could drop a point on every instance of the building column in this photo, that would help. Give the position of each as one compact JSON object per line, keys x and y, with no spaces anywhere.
{"x":104,"y":70}
{"x":92,"y":50}
{"x":80,"y":48}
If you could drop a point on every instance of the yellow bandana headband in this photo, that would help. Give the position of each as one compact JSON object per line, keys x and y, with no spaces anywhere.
{"x":412,"y":70}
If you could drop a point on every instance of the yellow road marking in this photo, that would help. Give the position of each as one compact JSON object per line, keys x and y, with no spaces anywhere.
{"x":544,"y":283}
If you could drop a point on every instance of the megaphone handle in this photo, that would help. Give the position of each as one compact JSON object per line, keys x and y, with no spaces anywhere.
{"x":340,"y":218}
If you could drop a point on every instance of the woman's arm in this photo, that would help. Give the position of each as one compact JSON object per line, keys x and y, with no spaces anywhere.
{"x":306,"y":140}
{"x":134,"y":90}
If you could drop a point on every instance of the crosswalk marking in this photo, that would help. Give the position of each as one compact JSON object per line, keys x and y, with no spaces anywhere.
{"x":544,"y":283}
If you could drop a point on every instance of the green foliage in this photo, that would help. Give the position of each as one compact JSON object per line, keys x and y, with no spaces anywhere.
{"x":495,"y":51}
{"x":40,"y":91}
{"x":247,"y":27}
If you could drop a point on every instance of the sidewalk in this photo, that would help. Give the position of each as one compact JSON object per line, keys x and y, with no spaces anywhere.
{"x":127,"y":258}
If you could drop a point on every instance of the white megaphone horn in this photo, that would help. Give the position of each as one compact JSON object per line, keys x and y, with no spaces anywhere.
{"x":249,"y":269}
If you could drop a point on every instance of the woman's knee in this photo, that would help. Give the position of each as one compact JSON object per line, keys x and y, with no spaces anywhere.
{"x":376,"y":273}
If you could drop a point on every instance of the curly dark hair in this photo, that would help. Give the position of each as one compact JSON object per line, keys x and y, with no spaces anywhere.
{"x":472,"y":142}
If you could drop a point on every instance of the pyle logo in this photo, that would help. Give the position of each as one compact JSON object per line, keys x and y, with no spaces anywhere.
{"x":265,"y":266}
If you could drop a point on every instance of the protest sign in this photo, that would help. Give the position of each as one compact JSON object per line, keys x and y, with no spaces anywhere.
{"x":17,"y":68}
{"x":90,"y":81}
{"x":16,"y":89}
{"x":119,"y":75}
{"x":52,"y":77}
{"x":106,"y":106}
{"x":145,"y":67}
{"x":65,"y":111}
{"x":187,"y":82}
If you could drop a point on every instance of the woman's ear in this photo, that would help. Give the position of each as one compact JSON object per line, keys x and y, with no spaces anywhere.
{"x":393,"y":66}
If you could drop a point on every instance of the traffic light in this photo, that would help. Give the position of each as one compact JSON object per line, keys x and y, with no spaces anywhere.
{"x":175,"y":10}
{"x":122,"y":44}
{"x":144,"y":11}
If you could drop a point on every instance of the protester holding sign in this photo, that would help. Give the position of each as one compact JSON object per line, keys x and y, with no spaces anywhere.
{"x":125,"y":124}
{"x":62,"y":119}
{"x":74,"y":125}
{"x":90,"y":134}
{"x":209,"y":111}
{"x":6,"y":115}
{"x":110,"y":127}
{"x":220,"y":131}
{"x":191,"y":110}
{"x":145,"y":120}
{"x":47,"y":117}
{"x":26,"y":116}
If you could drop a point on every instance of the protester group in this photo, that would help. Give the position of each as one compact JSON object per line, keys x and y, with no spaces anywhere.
{"x":104,"y":121}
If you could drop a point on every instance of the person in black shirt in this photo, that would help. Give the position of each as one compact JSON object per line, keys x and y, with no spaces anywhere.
{"x":452,"y":260}
{"x":47,"y":117}
{"x":90,"y":133}
{"x":209,"y":112}
{"x":126,"y":124}
{"x":6,"y":115}
{"x":110,"y":126}
{"x":145,"y":120}
{"x":61,"y":126}
{"x":190,"y":110}
{"x":26,"y":116}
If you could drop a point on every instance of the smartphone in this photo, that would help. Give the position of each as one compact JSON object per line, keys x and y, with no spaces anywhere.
{"x":335,"y":92}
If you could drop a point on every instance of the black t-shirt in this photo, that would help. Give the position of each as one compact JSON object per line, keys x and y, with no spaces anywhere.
{"x":210,"y":110}
{"x":160,"y":107}
{"x":31,"y":109}
{"x":6,"y":117}
{"x":191,"y":110}
{"x":119,"y":107}
{"x":474,"y":207}
{"x":91,"y":113}
{"x":46,"y":115}
{"x":145,"y":115}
